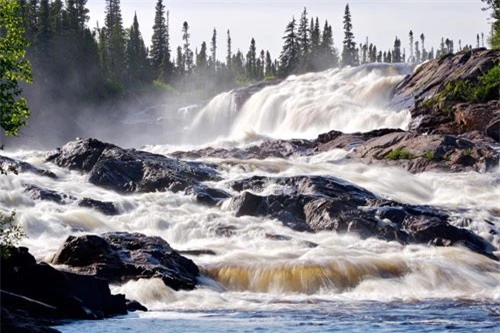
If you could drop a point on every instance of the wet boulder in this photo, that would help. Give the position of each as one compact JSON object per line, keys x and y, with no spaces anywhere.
{"x":320,"y":203}
{"x":38,"y":193}
{"x":105,"y":207}
{"x":206,"y":195}
{"x":43,"y":291}
{"x":8,"y":164}
{"x":120,"y":257}
{"x":129,"y":170}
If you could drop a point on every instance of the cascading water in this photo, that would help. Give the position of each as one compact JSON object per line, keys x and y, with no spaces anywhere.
{"x":346,"y":100}
{"x":250,"y":271}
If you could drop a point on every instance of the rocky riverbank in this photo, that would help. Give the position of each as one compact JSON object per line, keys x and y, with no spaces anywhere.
{"x":447,"y":133}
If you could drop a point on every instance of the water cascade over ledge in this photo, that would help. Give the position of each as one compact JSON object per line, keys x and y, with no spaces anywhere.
{"x":347,"y":100}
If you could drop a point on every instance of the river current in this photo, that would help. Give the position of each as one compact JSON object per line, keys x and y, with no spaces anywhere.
{"x":256,"y":283}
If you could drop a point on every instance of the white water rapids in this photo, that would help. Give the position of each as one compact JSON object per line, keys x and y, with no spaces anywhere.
{"x":251,"y":270}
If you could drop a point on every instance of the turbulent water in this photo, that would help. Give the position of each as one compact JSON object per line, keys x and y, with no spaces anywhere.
{"x":312,"y":282}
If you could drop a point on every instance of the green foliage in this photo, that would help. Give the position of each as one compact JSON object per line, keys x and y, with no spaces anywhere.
{"x":10,"y":234}
{"x":162,"y":86}
{"x":487,"y":88}
{"x":467,"y":152}
{"x":349,"y":50}
{"x":429,"y":155}
{"x":14,"y":67}
{"x":399,"y":154}
{"x":494,"y":6}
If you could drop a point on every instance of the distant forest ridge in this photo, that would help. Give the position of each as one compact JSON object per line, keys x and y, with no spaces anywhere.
{"x":72,"y":61}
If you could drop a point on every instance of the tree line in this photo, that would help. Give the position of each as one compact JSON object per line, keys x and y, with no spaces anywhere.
{"x":72,"y":61}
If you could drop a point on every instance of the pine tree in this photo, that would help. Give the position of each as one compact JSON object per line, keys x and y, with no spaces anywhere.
{"x":304,"y":41}
{"x":180,"y":63}
{"x":261,"y":64}
{"x":201,"y":60}
{"x":44,"y":29}
{"x":188,"y":54}
{"x":167,"y":67}
{"x":251,"y":61}
{"x":349,"y":50}
{"x":77,"y":14}
{"x":418,"y":55}
{"x":115,"y":41}
{"x":56,"y":16}
{"x":159,"y":39}
{"x":327,"y":57}
{"x":411,"y":59}
{"x":396,"y":53}
{"x":238,"y":67}
{"x":290,"y":55}
{"x":213,"y":51}
{"x":315,"y":36}
{"x":137,"y":62}
{"x":268,"y":71}
{"x":424,"y":51}
{"x":229,"y":51}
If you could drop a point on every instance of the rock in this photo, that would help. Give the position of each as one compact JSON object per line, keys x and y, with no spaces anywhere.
{"x":133,"y":306}
{"x":128,"y":170}
{"x":121,"y":256}
{"x":435,"y":231}
{"x":419,"y":153}
{"x":493,"y":129}
{"x":11,"y":165}
{"x":269,"y":148}
{"x":319,"y":203}
{"x":42,"y":291}
{"x":249,"y":204}
{"x":38,"y":193}
{"x":105,"y":207}
{"x":434,"y":115}
{"x":206,"y":195}
{"x":17,"y":320}
{"x":198,"y":252}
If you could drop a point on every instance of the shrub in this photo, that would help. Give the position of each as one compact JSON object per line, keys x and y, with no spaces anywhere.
{"x":399,"y":154}
{"x":487,"y":88}
{"x":10,"y":234}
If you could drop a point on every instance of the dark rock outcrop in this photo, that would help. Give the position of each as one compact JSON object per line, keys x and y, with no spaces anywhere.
{"x":39,"y":193}
{"x":8,"y":164}
{"x":269,"y":148}
{"x":44,"y":295}
{"x":444,"y":115}
{"x":206,"y":195}
{"x":133,"y":306}
{"x":453,"y":153}
{"x":418,"y":153}
{"x":105,"y":207}
{"x":121,"y":256}
{"x":326,"y":203}
{"x":128,"y":170}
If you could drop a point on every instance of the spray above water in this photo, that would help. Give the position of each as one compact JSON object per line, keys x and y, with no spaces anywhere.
{"x":348,"y":100}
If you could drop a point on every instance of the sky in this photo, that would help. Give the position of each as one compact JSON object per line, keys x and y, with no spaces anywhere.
{"x":265,"y":20}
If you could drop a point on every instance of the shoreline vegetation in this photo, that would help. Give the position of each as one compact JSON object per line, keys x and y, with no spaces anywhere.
{"x":104,"y":71}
